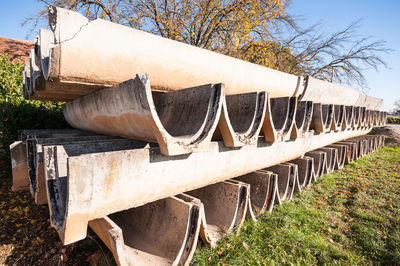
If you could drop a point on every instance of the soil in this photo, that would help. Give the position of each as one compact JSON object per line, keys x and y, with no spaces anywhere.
{"x":15,"y":48}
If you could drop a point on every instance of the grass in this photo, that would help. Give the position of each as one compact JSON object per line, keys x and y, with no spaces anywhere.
{"x":351,"y":216}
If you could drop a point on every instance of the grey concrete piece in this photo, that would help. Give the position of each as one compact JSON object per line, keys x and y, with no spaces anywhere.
{"x":331,"y":159}
{"x":23,"y":135}
{"x":180,"y":121}
{"x":163,"y":232}
{"x":34,"y":150}
{"x":305,"y":168}
{"x":339,"y":113}
{"x":98,"y":184}
{"x":279,"y":119}
{"x":225,"y":206}
{"x":19,"y":166}
{"x":320,"y":163}
{"x":241,"y":119}
{"x":322,"y":117}
{"x":303,"y":119}
{"x":324,"y":92}
{"x":342,"y":153}
{"x":83,"y":54}
{"x":348,"y":117}
{"x":261,"y":190}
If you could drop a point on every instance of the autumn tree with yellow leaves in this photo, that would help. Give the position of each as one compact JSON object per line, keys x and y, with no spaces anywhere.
{"x":259,"y":31}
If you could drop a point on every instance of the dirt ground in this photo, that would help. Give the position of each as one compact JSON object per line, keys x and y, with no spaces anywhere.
{"x":26,"y":236}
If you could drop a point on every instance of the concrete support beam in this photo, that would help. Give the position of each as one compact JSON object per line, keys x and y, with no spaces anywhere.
{"x":92,"y":193}
{"x":180,"y":122}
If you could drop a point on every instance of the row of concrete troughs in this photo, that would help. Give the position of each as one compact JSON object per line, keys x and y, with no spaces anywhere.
{"x":210,"y":141}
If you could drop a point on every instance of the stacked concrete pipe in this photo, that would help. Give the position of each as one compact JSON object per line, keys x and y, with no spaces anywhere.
{"x":201,"y":138}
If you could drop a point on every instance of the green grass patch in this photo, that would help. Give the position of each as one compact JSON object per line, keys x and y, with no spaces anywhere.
{"x":351,"y":216}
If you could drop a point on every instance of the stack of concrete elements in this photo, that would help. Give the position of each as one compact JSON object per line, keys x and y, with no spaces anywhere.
{"x":152,"y":166}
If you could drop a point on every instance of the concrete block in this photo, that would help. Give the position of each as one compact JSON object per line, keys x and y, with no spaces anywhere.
{"x":180,"y":121}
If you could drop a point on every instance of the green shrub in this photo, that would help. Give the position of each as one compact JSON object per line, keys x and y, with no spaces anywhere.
{"x":393,"y":120}
{"x":17,"y":113}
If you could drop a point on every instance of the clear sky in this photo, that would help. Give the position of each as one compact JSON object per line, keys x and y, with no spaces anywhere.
{"x":380,"y":19}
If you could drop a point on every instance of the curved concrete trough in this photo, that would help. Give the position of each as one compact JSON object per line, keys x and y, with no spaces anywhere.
{"x":163,"y":232}
{"x":241,"y":118}
{"x":180,"y":122}
{"x":280,"y":118}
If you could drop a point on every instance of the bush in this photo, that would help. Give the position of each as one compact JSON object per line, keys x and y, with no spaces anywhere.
{"x":393,"y":120}
{"x":17,"y":113}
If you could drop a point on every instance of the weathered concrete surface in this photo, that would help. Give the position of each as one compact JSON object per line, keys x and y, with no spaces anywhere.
{"x":279,"y":119}
{"x":322,"y":117}
{"x":83,"y":53}
{"x":241,"y":118}
{"x":35,"y":155}
{"x":261,"y":191}
{"x":19,"y":166}
{"x":324,"y":92}
{"x":19,"y":157}
{"x":303,"y":119}
{"x":113,"y":189}
{"x":225,"y":208}
{"x":163,"y":232}
{"x":180,"y":121}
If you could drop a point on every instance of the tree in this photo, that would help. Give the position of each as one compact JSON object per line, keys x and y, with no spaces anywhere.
{"x":259,"y":31}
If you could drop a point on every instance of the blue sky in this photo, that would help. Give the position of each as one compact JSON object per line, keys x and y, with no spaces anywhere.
{"x":380,"y":19}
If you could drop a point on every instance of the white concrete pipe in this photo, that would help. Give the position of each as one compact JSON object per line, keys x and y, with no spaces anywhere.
{"x":100,"y":52}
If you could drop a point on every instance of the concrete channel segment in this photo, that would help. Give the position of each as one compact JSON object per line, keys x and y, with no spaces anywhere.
{"x":241,"y":118}
{"x":280,"y":118}
{"x":19,"y":156}
{"x":163,"y":232}
{"x":79,"y":49}
{"x":113,"y":189}
{"x":179,"y":121}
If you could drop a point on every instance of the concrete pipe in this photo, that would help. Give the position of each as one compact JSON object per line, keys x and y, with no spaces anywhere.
{"x":19,"y":157}
{"x":342,"y":153}
{"x":180,"y":121}
{"x":324,"y":92}
{"x":35,"y":161}
{"x":348,"y":118}
{"x":19,"y":166}
{"x":241,"y":118}
{"x":157,"y":233}
{"x":357,"y":117}
{"x":322,"y":117}
{"x":373,"y":103}
{"x":305,"y":168}
{"x":104,"y":53}
{"x":339,"y":113}
{"x":294,"y":184}
{"x":108,"y":185}
{"x":331,"y":159}
{"x":287,"y":180}
{"x":279,"y":119}
{"x":261,"y":190}
{"x":302,"y":120}
{"x":225,"y":206}
{"x":319,"y":159}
